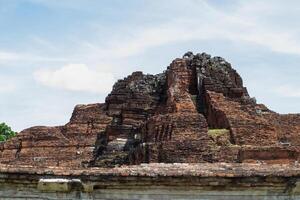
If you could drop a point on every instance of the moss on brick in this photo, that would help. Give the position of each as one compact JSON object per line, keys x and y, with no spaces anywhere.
{"x":217,"y":132}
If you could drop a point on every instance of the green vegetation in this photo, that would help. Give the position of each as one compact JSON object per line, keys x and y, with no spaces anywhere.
{"x":217,"y":132}
{"x":6,"y":132}
{"x":220,"y":137}
{"x":194,"y":99}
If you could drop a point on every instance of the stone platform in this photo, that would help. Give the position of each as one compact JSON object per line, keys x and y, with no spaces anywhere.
{"x":153,"y":181}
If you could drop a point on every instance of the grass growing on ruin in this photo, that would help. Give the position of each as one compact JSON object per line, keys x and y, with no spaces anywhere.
{"x":217,"y":132}
{"x":220,"y":137}
{"x":194,"y":99}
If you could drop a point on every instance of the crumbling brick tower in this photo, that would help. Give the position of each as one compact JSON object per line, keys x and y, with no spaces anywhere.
{"x":196,"y":111}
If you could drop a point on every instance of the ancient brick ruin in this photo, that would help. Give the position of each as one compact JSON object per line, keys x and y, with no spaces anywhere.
{"x":197,"y":111}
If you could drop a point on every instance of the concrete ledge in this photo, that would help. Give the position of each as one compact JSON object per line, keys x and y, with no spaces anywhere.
{"x":154,"y":181}
{"x":163,"y":169}
{"x":59,"y":185}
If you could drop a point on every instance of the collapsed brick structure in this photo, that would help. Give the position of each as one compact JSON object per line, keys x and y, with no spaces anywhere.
{"x":67,"y":145}
{"x":196,"y":111}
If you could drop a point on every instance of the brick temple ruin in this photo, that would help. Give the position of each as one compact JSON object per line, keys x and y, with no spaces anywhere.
{"x":197,"y":113}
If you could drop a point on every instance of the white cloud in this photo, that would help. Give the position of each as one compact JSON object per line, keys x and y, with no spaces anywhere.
{"x":202,"y":22}
{"x":44,"y":43}
{"x":288,"y":91}
{"x":76,"y":77}
{"x":9,"y":57}
{"x":7,"y":87}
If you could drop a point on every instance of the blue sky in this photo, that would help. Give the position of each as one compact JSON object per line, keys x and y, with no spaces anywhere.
{"x":55,"y":54}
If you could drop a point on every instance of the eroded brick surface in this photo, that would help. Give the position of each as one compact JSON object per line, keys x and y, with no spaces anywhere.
{"x":197,"y":111}
{"x":67,"y":145}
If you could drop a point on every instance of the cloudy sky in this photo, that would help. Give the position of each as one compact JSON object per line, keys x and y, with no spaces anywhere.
{"x":55,"y":54}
